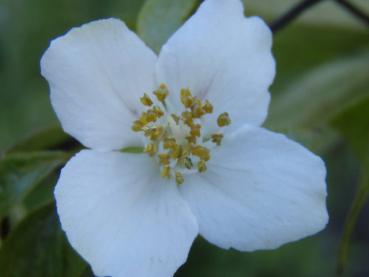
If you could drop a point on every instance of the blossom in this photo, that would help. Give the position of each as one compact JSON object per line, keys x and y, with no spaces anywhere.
{"x":207,"y":167}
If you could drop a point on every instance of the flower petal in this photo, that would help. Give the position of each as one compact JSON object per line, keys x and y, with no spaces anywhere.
{"x":224,"y":57}
{"x":97,"y":73}
{"x":122,"y":217}
{"x":261,"y":190}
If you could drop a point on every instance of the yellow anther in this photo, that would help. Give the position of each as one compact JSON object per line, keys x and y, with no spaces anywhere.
{"x":164,"y":158}
{"x":197,"y":109}
{"x":137,"y":126}
{"x":165,"y":172}
{"x":186,"y":98}
{"x":188,"y":163}
{"x":157,"y":111}
{"x":166,"y":135}
{"x":179,"y":178}
{"x":146,"y":100}
{"x":151,"y":116}
{"x":201,"y":152}
{"x":176,"y":152}
{"x":201,"y":166}
{"x":176,"y":118}
{"x":207,"y":107}
{"x":169,"y":143}
{"x":191,"y":139}
{"x":223,"y":120}
{"x":217,"y":138}
{"x":151,"y":149}
{"x":154,"y":133}
{"x":195,"y":130}
{"x":147,"y":117}
{"x":187,"y":118}
{"x":161,"y":93}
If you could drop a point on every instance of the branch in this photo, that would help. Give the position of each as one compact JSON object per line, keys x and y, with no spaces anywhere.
{"x":292,"y":14}
{"x":354,"y":11}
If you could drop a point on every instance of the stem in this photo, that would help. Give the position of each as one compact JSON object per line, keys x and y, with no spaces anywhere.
{"x":292,"y":14}
{"x":354,"y":10}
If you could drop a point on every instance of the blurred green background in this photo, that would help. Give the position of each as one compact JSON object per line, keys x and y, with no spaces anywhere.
{"x":320,"y":98}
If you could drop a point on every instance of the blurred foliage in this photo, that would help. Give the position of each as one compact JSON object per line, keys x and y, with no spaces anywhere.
{"x":158,"y":19}
{"x":320,"y":97}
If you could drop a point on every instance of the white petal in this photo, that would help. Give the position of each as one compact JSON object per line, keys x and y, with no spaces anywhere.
{"x":224,"y":57}
{"x":97,"y":73}
{"x":261,"y":190}
{"x":122,"y":217}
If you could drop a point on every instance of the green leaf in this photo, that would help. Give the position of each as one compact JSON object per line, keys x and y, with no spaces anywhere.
{"x":37,"y":247}
{"x":127,"y":10}
{"x":158,"y":19}
{"x":308,"y":103}
{"x":47,"y":138}
{"x":360,"y":200}
{"x":353,"y":123}
{"x":20,"y":173}
{"x":304,"y":258}
{"x":314,"y":81}
{"x":320,"y":95}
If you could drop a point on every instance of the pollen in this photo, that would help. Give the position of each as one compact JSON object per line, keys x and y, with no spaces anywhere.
{"x":175,"y":140}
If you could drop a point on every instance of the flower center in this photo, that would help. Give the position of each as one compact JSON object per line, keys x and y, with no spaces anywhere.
{"x":175,"y":141}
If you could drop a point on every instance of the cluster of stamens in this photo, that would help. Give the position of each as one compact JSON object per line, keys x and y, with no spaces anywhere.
{"x":175,"y":141}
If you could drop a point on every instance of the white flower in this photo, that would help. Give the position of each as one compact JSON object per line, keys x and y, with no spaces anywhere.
{"x":242,"y":187}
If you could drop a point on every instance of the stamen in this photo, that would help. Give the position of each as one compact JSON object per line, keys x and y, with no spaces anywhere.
{"x":146,"y":100}
{"x":176,"y":152}
{"x":154,"y":133}
{"x":187,"y":118}
{"x":151,"y":149}
{"x":157,"y":111}
{"x":186,"y":98}
{"x":201,"y":152}
{"x":161,"y":93}
{"x":169,"y":143}
{"x":179,"y":178}
{"x":176,"y":118}
{"x":188,"y":163}
{"x":207,"y":107}
{"x":147,"y":117}
{"x":137,"y":126}
{"x":201,"y":166}
{"x":217,"y":138}
{"x":196,"y":130}
{"x":176,"y":136}
{"x":223,"y":120}
{"x":165,"y":172}
{"x":191,"y":139}
{"x":164,"y":158}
